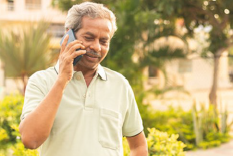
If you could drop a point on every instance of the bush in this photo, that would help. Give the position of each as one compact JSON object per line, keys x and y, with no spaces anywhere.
{"x":10,"y":143}
{"x":160,"y":144}
{"x":10,"y":111}
{"x":19,"y":150}
{"x":184,"y":123}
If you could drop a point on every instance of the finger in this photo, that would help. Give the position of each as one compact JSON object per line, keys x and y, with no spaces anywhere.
{"x":63,"y":46}
{"x":71,"y":44}
{"x":75,"y":47}
{"x":78,"y":53}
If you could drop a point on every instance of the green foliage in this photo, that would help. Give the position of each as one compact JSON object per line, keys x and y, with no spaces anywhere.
{"x":210,"y":126}
{"x":10,"y":111}
{"x":25,"y":51}
{"x":173,"y":121}
{"x":126,"y":147}
{"x":160,"y":144}
{"x":19,"y":150}
{"x":178,"y":121}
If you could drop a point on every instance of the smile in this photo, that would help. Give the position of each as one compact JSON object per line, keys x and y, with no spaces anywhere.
{"x":93,"y":54}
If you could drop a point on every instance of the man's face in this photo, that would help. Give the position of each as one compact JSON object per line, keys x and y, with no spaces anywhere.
{"x":95,"y":35}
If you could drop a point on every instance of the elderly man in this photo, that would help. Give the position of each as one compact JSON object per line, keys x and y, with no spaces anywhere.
{"x":82,"y":109}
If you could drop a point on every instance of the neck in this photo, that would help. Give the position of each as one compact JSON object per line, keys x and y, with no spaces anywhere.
{"x":86,"y":72}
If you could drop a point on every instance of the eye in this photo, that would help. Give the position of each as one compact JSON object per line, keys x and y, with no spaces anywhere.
{"x":104,"y":42}
{"x":88,"y":38}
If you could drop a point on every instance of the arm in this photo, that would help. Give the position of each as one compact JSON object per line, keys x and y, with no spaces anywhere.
{"x":138,"y":145}
{"x":36,"y":126}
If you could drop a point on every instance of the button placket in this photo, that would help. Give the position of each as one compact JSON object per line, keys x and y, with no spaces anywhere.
{"x":89,"y":97}
{"x":78,"y":77}
{"x":80,"y":85}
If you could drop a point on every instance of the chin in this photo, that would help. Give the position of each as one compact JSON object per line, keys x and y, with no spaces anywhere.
{"x":88,"y":65}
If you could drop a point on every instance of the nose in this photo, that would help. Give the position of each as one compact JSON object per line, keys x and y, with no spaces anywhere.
{"x":96,"y":46}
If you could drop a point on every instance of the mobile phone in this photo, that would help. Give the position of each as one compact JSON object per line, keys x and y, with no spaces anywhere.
{"x":72,"y":37}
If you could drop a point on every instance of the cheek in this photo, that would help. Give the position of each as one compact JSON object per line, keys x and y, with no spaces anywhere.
{"x":86,"y":45}
{"x":104,"y":51}
{"x":105,"y":48}
{"x":103,"y":54}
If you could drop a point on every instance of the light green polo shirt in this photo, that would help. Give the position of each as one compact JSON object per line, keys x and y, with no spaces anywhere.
{"x":90,"y":120}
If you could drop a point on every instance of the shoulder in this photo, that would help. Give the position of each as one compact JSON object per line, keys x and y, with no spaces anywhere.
{"x":41,"y":80}
{"x":46,"y":76}
{"x":116,"y":79}
{"x":43,"y":74}
{"x":114,"y":75}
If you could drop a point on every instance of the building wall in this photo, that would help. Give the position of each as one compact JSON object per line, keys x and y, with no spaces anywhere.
{"x":21,"y":13}
{"x":197,"y":73}
{"x":18,"y":14}
{"x":192,"y":73}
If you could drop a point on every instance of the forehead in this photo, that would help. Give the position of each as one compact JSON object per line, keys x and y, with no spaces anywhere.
{"x":96,"y":25}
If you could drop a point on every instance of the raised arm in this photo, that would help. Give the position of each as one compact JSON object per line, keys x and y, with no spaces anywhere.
{"x":36,"y":126}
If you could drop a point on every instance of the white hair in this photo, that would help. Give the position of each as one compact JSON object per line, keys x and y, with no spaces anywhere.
{"x":90,"y":9}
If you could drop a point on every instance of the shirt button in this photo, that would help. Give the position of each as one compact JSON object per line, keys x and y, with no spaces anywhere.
{"x":78,"y":77}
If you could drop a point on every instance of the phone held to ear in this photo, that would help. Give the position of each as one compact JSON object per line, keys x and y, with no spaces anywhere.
{"x":72,"y":38}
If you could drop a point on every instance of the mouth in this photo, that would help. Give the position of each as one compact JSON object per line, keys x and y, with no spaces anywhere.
{"x":92,"y":54}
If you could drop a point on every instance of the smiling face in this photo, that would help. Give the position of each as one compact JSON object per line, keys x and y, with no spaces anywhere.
{"x":95,"y":35}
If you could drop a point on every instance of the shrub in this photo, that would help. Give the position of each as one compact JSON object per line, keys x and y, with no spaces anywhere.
{"x":10,"y":111}
{"x":19,"y":150}
{"x":210,"y":126}
{"x":160,"y":144}
{"x":178,"y":121}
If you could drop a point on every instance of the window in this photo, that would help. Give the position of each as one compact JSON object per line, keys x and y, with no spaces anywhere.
{"x":10,"y":5}
{"x":153,"y":74}
{"x":153,"y":71}
{"x":33,"y":4}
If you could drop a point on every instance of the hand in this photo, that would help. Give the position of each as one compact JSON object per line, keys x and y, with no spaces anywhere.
{"x":66,"y":57}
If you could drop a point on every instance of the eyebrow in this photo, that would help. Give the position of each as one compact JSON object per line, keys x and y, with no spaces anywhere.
{"x":92,"y":35}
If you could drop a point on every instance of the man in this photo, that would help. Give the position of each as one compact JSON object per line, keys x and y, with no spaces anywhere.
{"x":82,"y":110}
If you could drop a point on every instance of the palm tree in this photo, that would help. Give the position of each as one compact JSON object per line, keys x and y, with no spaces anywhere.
{"x":25,"y":51}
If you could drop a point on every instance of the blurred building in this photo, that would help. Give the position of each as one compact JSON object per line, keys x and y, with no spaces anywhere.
{"x":15,"y":13}
{"x":191,"y":78}
{"x":20,"y":12}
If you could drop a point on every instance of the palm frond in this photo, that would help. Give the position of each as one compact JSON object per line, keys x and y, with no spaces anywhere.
{"x":25,"y":51}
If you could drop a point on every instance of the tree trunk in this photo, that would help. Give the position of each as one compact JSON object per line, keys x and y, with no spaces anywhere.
{"x":214,"y":88}
{"x":24,"y":83}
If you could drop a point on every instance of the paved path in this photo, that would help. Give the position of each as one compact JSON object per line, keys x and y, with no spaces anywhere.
{"x":224,"y":150}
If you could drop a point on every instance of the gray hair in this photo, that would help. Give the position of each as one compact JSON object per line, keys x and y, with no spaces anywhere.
{"x":90,"y":9}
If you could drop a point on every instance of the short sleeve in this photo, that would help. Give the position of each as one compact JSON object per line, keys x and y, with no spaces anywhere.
{"x":34,"y":94}
{"x":133,"y":122}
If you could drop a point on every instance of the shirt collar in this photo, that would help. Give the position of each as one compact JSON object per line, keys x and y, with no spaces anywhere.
{"x":100,"y":70}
